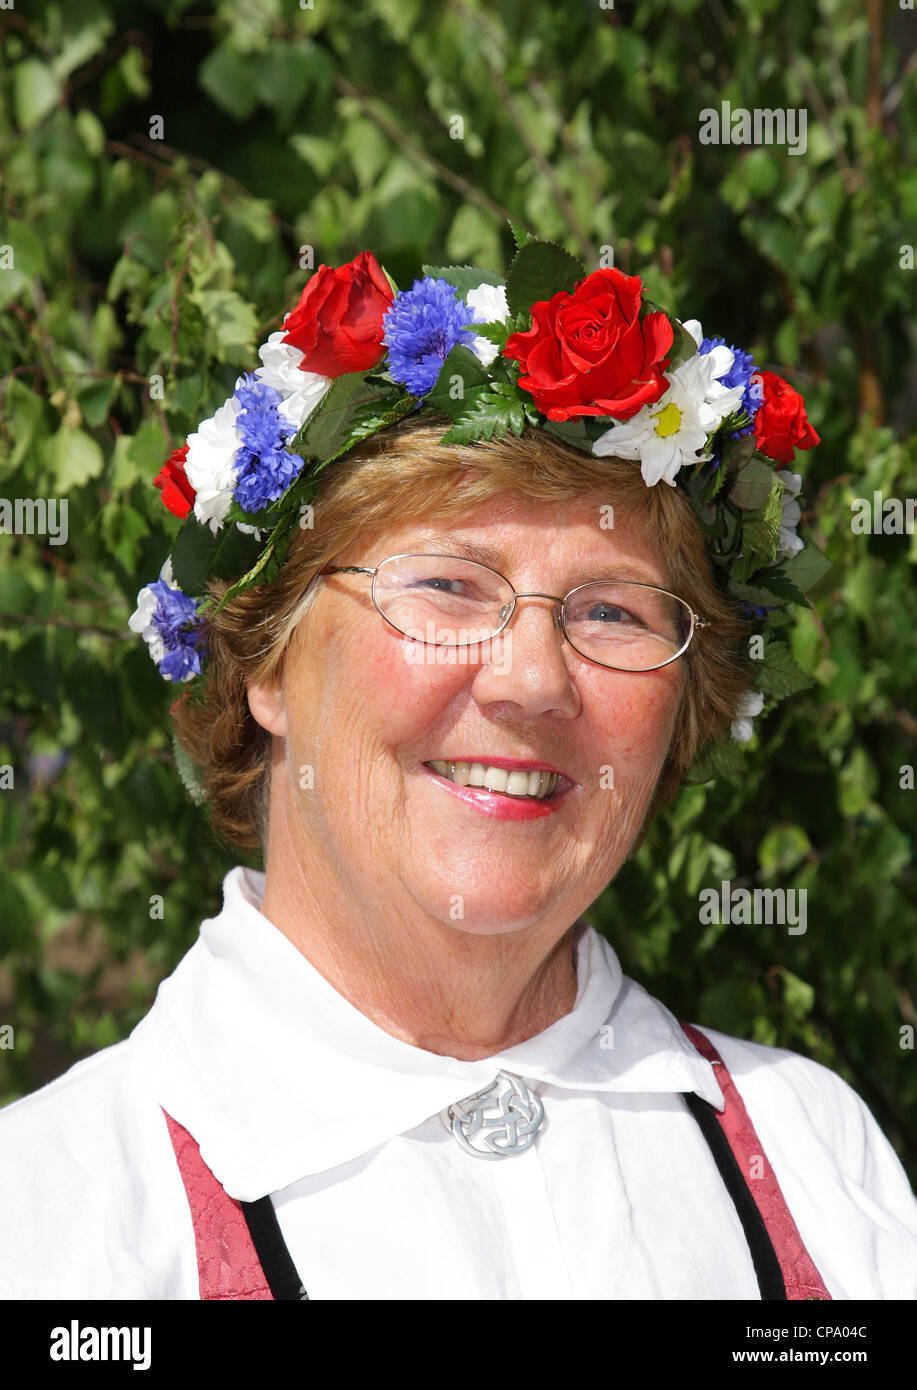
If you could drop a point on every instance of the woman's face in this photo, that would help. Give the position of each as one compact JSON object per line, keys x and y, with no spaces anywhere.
{"x":360,"y":715}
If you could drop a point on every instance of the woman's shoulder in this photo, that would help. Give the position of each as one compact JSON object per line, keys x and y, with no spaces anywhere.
{"x":799,"y":1106}
{"x":85,"y":1157}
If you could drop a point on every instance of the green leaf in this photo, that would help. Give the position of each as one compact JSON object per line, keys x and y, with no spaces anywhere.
{"x":572,"y":432}
{"x":709,"y":483}
{"x":228,"y":78}
{"x":96,"y":398}
{"x":463,"y":277}
{"x":230,"y":322}
{"x":461,"y":376}
{"x":736,"y":452}
{"x":269,"y":562}
{"x":761,"y":529}
{"x":330,"y":423}
{"x":777,"y":674}
{"x":320,"y":153}
{"x":683,"y":345}
{"x":491,"y":415}
{"x":539,"y":270}
{"x":198,"y":555}
{"x":723,"y":759}
{"x":123,"y":529}
{"x":28,"y":252}
{"x":806,"y":567}
{"x":782,"y":849}
{"x":520,"y":235}
{"x":755,"y":593}
{"x":368,"y":421}
{"x":35,"y":92}
{"x":752,"y":486}
{"x":74,"y":457}
{"x":189,"y":773}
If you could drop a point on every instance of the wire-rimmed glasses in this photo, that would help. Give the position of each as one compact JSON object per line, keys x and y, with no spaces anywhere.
{"x":448,"y":601}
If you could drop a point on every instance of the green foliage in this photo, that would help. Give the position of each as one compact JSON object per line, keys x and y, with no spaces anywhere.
{"x":145,"y":268}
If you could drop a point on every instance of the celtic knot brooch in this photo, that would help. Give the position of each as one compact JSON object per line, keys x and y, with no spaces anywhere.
{"x":498,"y":1122}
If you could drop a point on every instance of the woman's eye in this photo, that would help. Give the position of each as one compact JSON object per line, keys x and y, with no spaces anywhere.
{"x":434,"y":583}
{"x":622,"y":615}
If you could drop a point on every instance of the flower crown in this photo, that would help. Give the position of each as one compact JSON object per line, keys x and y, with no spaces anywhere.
{"x":587,"y":358}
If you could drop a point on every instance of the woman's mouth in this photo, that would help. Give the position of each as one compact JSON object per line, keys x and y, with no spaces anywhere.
{"x":508,"y":794}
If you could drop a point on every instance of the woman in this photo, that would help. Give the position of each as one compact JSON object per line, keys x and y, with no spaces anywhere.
{"x":400,"y":1063}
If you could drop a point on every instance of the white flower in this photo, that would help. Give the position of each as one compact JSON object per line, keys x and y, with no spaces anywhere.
{"x":716,"y":363}
{"x":750,"y":704}
{"x":488,"y":302}
{"x":788,"y":542}
{"x":210,"y":465}
{"x":673,"y":430}
{"x":300,"y":390}
{"x":664,"y":435}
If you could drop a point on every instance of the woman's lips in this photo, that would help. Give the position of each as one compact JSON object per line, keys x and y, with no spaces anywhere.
{"x":499,"y":805}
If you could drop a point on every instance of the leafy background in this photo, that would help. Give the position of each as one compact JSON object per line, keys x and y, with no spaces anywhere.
{"x":417,"y":130}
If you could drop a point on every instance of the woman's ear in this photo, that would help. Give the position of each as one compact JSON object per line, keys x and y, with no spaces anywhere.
{"x":266,"y":702}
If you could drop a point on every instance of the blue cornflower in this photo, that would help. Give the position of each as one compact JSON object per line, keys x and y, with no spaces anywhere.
{"x":739,"y":374}
{"x":181,"y":636}
{"x":421,"y":328}
{"x":265,"y":469}
{"x":757,"y":610}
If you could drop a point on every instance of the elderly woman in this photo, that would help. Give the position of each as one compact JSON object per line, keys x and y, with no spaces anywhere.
{"x":466,"y":665}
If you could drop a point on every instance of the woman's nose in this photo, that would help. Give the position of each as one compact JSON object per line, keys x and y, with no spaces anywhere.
{"x":532,"y":641}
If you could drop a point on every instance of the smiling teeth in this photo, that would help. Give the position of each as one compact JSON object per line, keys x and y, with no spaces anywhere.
{"x":499,"y":779}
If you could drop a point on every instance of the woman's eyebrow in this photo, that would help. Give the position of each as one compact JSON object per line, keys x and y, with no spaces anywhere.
{"x":487,"y":555}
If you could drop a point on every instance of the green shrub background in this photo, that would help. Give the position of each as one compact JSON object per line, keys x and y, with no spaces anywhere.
{"x":416,"y":130}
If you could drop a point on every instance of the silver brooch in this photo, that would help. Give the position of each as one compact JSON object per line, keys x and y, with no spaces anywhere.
{"x":498,"y":1122}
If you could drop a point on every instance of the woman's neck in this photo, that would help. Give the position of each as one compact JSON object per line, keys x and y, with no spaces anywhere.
{"x":456,"y":993}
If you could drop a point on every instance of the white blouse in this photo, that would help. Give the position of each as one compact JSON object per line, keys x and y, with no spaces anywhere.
{"x":290,"y":1090}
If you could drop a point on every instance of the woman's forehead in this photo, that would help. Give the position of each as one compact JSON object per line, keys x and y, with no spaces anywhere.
{"x":586,"y":533}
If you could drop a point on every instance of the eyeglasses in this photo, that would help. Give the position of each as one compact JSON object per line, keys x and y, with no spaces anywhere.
{"x":447,"y":601}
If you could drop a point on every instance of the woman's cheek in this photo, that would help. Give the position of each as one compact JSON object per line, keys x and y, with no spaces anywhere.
{"x":637,"y":733}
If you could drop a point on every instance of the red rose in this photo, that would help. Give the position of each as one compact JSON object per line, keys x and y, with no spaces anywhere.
{"x":337,"y":323}
{"x":177,"y":493}
{"x":589,"y":353}
{"x":781,"y":423}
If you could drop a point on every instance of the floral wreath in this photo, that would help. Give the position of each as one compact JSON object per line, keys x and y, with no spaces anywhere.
{"x":587,"y":358}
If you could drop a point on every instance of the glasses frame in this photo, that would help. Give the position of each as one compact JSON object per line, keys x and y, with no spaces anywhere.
{"x":559,"y":622}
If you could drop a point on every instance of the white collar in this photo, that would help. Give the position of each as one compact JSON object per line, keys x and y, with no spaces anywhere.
{"x":277,"y":1076}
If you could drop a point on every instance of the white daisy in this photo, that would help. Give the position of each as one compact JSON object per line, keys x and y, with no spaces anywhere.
{"x":664,"y":435}
{"x":716,"y":363}
{"x":300,"y":390}
{"x":674,"y":430}
{"x":210,"y":465}
{"x":788,"y":542}
{"x":750,"y":704}
{"x":489,"y":305}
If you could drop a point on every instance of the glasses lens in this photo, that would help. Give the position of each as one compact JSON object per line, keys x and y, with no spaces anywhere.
{"x":630,"y":627}
{"x":441,"y":599}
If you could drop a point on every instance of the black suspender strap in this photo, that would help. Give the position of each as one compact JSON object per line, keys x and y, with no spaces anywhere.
{"x":271,"y":1249}
{"x":763,"y":1255}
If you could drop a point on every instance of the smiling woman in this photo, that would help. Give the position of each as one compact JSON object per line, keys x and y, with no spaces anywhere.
{"x":405,"y":476}
{"x":400,"y":1063}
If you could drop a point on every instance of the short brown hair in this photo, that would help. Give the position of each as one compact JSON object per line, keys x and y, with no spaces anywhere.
{"x":400,"y":475}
